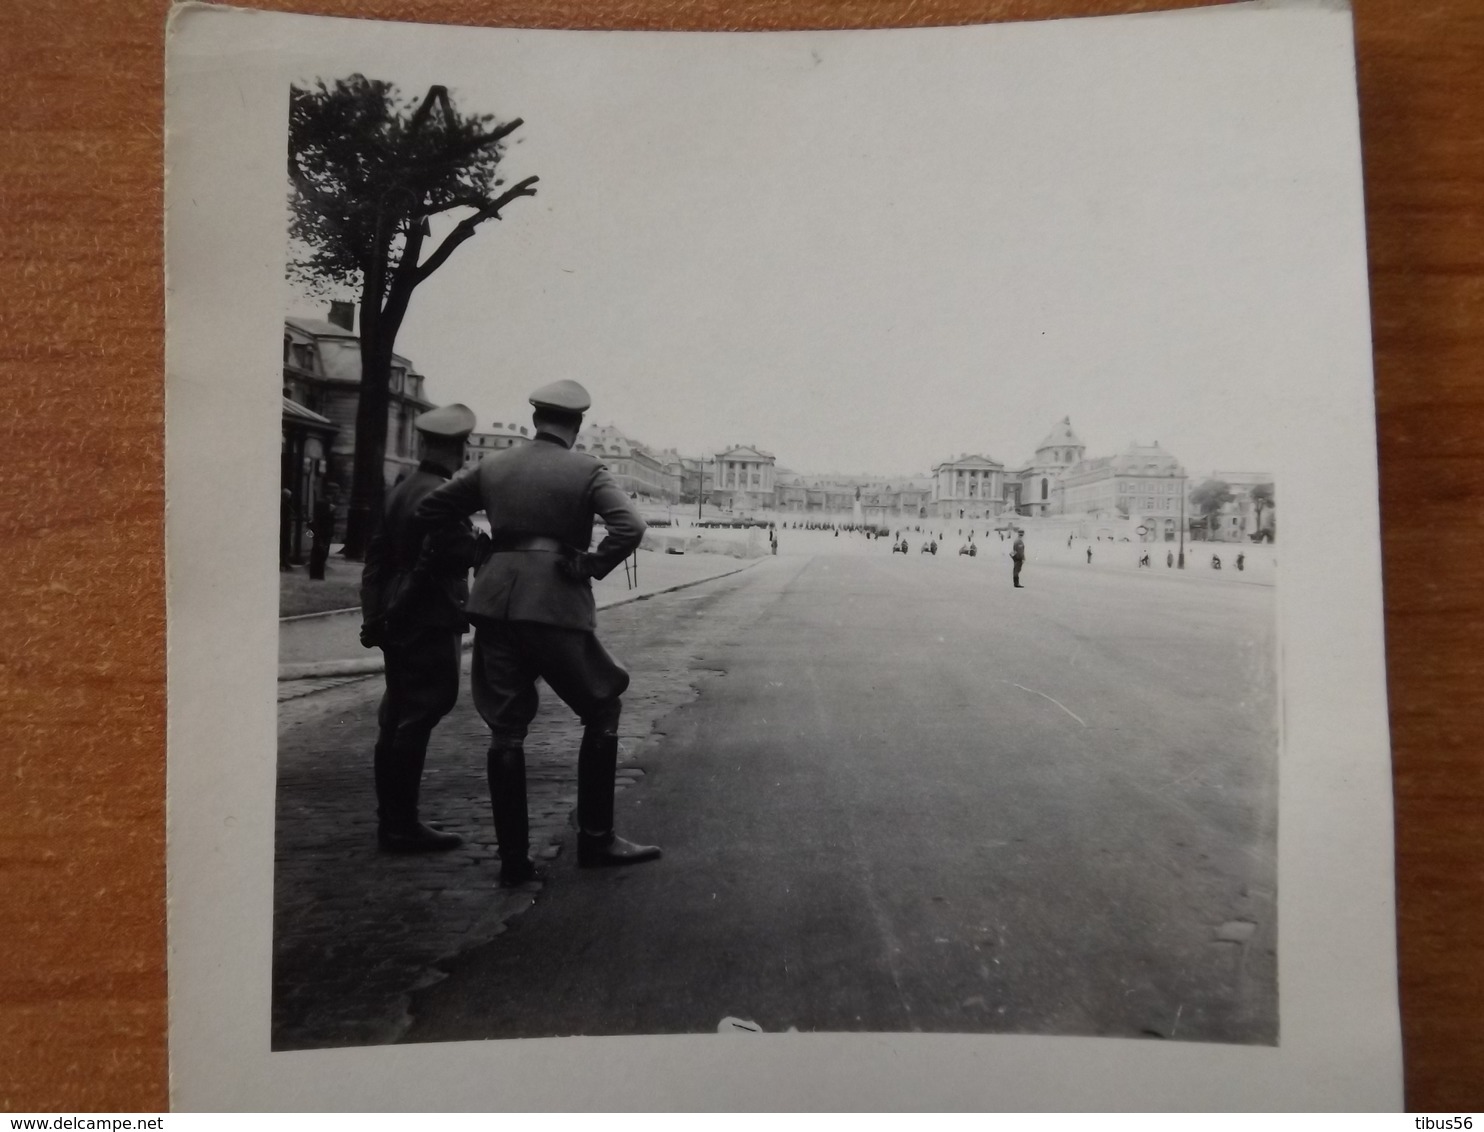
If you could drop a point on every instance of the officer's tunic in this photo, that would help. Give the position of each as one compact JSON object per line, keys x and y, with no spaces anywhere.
{"x":531,"y":618}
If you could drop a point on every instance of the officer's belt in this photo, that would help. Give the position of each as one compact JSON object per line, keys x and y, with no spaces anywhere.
{"x":507,"y":542}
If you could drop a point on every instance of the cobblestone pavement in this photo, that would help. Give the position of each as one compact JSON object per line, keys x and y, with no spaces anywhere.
{"x":357,"y":931}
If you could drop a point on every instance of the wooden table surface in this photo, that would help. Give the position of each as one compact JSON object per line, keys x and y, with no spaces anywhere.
{"x":82,"y":937}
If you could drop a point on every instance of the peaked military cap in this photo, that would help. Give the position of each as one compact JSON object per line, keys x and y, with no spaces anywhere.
{"x":564,"y":396}
{"x":453,"y":421}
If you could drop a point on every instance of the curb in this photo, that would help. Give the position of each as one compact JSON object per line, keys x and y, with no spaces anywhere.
{"x":366,"y":666}
{"x":319,"y":613}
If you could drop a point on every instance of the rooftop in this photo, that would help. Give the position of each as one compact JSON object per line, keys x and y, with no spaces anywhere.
{"x":1061,"y":436}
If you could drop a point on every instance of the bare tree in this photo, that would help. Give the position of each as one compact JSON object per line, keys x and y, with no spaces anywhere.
{"x":367,"y":170}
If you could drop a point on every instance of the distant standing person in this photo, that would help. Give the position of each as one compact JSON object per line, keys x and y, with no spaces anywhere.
{"x":1089,"y":556}
{"x":413,"y":590}
{"x":323,"y":531}
{"x":1017,"y":559}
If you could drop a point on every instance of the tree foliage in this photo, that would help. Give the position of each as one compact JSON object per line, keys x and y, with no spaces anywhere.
{"x":1262,"y":500}
{"x":368,"y":168}
{"x":1210,"y":497}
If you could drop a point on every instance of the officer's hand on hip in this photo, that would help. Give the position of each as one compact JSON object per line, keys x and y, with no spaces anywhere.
{"x":577,"y":567}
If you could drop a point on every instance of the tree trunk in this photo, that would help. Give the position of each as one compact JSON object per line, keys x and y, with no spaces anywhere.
{"x":368,"y":482}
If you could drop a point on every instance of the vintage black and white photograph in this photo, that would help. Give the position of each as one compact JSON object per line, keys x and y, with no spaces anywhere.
{"x":786,"y":543}
{"x":742,"y":566}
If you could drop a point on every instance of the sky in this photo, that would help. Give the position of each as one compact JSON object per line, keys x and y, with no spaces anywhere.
{"x":870,"y":252}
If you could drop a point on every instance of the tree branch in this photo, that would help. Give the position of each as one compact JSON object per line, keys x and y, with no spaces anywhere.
{"x":456,"y":153}
{"x":465,"y":228}
{"x":498,"y":133}
{"x":474,"y":202}
{"x":420,"y":115}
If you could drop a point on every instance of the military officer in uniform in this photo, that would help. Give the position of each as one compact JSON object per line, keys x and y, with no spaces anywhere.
{"x":413,"y":590}
{"x":1017,"y":558}
{"x":534,"y":616}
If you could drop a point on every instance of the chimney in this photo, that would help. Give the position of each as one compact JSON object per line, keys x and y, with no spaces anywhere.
{"x":343,"y":315}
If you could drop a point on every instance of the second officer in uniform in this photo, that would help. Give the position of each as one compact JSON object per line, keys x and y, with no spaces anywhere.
{"x":534,"y":616}
{"x":412,"y":607}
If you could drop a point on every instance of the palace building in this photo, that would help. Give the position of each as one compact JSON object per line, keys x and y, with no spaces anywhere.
{"x":1035,"y":484}
{"x":1143,"y":483}
{"x":971,"y":487}
{"x":640,"y":471}
{"x":743,"y":479}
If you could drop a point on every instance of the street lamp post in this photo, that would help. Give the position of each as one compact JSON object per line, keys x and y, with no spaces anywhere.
{"x":1181,"y":559}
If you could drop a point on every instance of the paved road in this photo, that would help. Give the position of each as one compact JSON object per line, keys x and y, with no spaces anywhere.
{"x":910,"y":797}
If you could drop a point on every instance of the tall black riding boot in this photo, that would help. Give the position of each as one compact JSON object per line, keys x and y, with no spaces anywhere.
{"x":506,"y":764}
{"x":399,"y":772}
{"x":597,"y":844}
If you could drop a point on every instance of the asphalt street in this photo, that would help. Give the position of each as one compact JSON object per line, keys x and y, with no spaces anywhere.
{"x":909,"y":797}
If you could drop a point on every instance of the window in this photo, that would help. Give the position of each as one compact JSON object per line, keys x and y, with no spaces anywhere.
{"x":1043,"y":487}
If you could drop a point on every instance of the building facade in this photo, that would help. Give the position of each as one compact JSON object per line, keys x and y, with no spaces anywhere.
{"x":322,"y":372}
{"x":744,"y":479}
{"x":499,"y":437}
{"x":1036,"y":484}
{"x":321,"y":395}
{"x":893,"y":502}
{"x":970,"y":487}
{"x":883,"y":502}
{"x":672,"y":473}
{"x":640,"y":471}
{"x":1144,"y":483}
{"x":304,"y":458}
{"x":696,"y":481}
